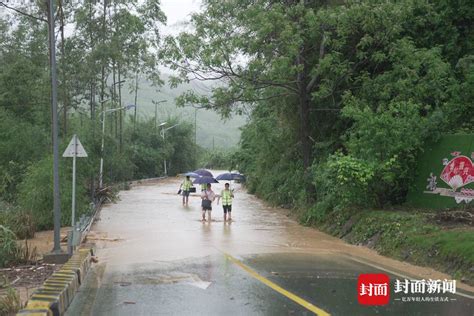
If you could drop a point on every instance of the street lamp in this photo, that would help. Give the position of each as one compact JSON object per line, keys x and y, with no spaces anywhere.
{"x":103,"y":113}
{"x":118,"y":82}
{"x":156,"y":109}
{"x":163,"y":136}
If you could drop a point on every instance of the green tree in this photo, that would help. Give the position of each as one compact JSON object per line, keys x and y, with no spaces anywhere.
{"x":262,"y":50}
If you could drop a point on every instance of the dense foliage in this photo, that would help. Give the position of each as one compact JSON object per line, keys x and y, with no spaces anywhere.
{"x":340,"y":97}
{"x":111,"y":46}
{"x":342,"y":93}
{"x":217,"y":158}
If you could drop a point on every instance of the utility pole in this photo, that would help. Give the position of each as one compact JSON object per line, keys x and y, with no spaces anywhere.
{"x":54,"y":110}
{"x":195,"y":125}
{"x":57,"y":255}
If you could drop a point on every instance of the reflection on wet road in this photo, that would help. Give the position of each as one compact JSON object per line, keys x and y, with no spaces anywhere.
{"x":158,"y":258}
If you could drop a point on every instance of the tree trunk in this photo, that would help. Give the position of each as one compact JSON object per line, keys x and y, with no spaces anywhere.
{"x":120,"y":113}
{"x":304,"y":115}
{"x":135,"y":109}
{"x":103,"y":61}
{"x":114,"y":97}
{"x":92,"y":100}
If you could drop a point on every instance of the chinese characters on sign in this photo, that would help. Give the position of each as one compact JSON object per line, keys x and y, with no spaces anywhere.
{"x":457,"y":173}
{"x":374,"y":289}
{"x":425,"y":286}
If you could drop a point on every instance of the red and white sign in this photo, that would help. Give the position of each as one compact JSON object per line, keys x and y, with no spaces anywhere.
{"x":373,"y":289}
{"x":458,"y":172}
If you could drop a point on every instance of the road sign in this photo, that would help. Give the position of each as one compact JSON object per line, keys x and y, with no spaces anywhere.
{"x":76,"y":148}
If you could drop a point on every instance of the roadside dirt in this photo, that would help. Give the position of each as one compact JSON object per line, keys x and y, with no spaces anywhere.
{"x":26,"y":278}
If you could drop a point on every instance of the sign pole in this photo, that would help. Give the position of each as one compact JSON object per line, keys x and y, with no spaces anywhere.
{"x":74,"y":181}
{"x":74,"y":150}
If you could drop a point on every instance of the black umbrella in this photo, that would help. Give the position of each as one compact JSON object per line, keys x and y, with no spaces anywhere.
{"x":202,"y":180}
{"x":228,"y":176}
{"x":191,"y":174}
{"x":203,"y":173}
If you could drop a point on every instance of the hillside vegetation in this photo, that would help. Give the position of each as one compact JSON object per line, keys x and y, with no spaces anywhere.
{"x":212,"y":130}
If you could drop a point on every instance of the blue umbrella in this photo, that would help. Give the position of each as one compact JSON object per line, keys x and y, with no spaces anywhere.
{"x":192,"y":175}
{"x":228,"y":176}
{"x":202,"y":180}
{"x":203,"y":173}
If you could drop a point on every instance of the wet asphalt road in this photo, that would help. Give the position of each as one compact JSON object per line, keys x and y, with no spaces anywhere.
{"x":157,"y":258}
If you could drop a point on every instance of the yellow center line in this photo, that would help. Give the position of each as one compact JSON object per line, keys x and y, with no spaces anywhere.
{"x":279,"y":289}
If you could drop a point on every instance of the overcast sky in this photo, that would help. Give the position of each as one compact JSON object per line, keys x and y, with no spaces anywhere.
{"x":178,"y":12}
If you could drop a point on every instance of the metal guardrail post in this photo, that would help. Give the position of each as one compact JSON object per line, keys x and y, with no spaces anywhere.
{"x":70,"y":245}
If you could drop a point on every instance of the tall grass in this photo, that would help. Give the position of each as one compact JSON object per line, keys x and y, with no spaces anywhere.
{"x":10,"y":302}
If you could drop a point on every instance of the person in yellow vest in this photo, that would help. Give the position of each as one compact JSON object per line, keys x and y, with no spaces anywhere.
{"x":226,"y":195}
{"x":186,"y":187}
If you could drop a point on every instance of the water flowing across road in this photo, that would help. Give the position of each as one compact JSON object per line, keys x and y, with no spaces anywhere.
{"x":157,"y":258}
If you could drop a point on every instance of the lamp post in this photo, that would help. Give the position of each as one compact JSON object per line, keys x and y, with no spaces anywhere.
{"x":113,"y":87}
{"x":156,"y":110}
{"x":103,"y":113}
{"x":163,"y":136}
{"x":113,"y":94}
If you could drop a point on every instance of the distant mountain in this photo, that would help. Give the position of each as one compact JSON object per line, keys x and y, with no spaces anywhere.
{"x":211,"y":130}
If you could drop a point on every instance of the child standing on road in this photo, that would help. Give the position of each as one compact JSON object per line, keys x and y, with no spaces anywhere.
{"x":186,"y":186}
{"x":227,"y":196}
{"x":207,"y":196}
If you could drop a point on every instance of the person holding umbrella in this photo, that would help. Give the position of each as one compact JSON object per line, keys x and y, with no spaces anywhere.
{"x":204,"y":173}
{"x":186,"y":188}
{"x":227,"y":196}
{"x":207,"y":196}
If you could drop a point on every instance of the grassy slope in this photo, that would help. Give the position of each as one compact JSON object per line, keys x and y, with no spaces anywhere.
{"x":210,"y":127}
{"x":408,"y":236}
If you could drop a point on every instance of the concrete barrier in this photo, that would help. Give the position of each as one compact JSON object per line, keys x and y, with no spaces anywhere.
{"x":57,"y":292}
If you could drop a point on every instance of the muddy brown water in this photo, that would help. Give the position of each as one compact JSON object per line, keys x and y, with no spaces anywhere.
{"x":150,"y":223}
{"x":157,"y":254}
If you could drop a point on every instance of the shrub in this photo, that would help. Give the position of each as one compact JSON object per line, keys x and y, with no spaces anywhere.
{"x":36,"y":193}
{"x":15,"y":157}
{"x":10,"y":302}
{"x":20,"y":222}
{"x":345,"y":180}
{"x":9,"y":250}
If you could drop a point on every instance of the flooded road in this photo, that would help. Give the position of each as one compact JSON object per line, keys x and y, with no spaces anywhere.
{"x":156,"y":257}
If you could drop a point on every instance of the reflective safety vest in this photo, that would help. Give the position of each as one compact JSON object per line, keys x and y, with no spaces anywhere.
{"x":226,"y":196}
{"x":187,"y":185}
